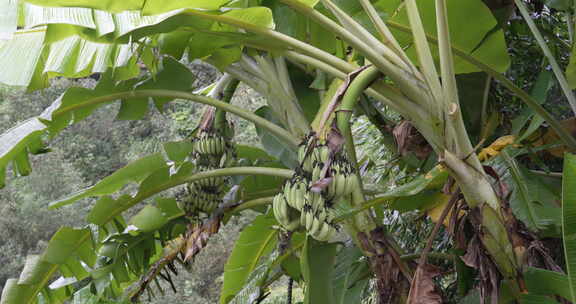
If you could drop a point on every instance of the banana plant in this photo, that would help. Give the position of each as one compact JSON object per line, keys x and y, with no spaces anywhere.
{"x":323,"y":223}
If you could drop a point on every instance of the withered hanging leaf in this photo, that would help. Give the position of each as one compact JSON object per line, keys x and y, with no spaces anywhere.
{"x":391,"y":280}
{"x":497,"y":146}
{"x":408,"y":139}
{"x":207,"y":118}
{"x":188,"y":246}
{"x":321,"y":184}
{"x":489,"y":283}
{"x":166,"y":263}
{"x":549,"y":137}
{"x":198,"y":235}
{"x":502,"y":191}
{"x":472,"y":256}
{"x":423,"y":290}
{"x":401,"y":133}
{"x":335,"y":140}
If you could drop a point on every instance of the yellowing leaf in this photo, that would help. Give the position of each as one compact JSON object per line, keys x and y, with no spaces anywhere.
{"x":441,"y":201}
{"x":497,"y":146}
{"x":551,"y":138}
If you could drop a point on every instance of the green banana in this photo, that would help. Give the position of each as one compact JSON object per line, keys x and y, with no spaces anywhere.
{"x":293,"y":225}
{"x":324,"y":233}
{"x":280,"y":210}
{"x":315,"y":227}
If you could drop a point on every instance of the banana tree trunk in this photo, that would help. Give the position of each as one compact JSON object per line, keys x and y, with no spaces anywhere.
{"x":491,"y":222}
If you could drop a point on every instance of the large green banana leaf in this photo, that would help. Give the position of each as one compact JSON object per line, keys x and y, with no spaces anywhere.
{"x":473,"y":30}
{"x":8,"y":18}
{"x":65,"y":252}
{"x":569,"y":220}
{"x":18,"y":142}
{"x":76,"y":42}
{"x":255,"y":242}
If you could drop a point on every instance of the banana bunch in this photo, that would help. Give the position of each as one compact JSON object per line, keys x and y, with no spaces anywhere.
{"x":209,"y":144}
{"x":212,"y":148}
{"x":286,"y":215}
{"x":344,"y":180}
{"x":315,"y":213}
{"x":319,"y":223}
{"x":319,"y":165}
{"x":296,"y":192}
{"x":310,"y":155}
{"x":200,"y":199}
{"x":317,"y":217}
{"x":213,"y":182}
{"x":315,"y":155}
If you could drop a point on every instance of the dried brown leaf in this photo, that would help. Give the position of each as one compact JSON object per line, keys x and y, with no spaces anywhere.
{"x":335,"y":140}
{"x":409,"y":139}
{"x":423,"y":290}
{"x":473,"y":252}
{"x":198,"y":237}
{"x":321,"y":184}
{"x":391,"y":281}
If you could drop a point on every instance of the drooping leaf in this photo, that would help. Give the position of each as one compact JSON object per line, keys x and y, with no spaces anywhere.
{"x":349,"y":276}
{"x":72,"y":107}
{"x":433,"y":180}
{"x":17,"y":142}
{"x":178,"y":151}
{"x":317,"y":264}
{"x":254,"y":242}
{"x":174,"y":43}
{"x":150,"y":218}
{"x":134,"y":172}
{"x":271,"y":144}
{"x":154,"y":7}
{"x":172,"y":76}
{"x":480,"y":39}
{"x":540,"y":91}
{"x":545,"y":282}
{"x":531,"y":201}
{"x":569,"y":220}
{"x":107,"y":208}
{"x":431,"y":201}
{"x":79,"y":41}
{"x":255,"y":156}
{"x":66,"y":248}
{"x":8,"y":18}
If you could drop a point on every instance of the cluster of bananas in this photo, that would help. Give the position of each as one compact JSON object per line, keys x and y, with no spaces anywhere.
{"x":209,"y":143}
{"x":202,"y":199}
{"x":299,"y":206}
{"x":211,"y":150}
{"x":344,"y":179}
